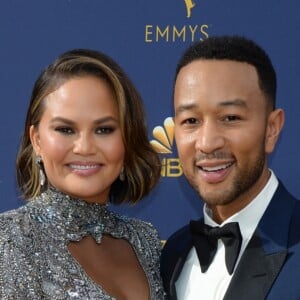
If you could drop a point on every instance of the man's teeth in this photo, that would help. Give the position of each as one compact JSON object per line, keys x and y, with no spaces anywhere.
{"x":216,"y":168}
{"x":83,"y":167}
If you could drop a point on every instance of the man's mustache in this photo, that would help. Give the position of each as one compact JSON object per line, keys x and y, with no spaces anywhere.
{"x":213,"y":155}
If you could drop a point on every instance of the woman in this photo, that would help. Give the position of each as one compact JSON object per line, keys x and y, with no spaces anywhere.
{"x":84,"y":145}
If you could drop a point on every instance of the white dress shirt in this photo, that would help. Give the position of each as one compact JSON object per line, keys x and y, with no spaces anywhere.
{"x":212,"y":284}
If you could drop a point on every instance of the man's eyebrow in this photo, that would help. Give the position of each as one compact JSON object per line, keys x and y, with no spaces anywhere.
{"x":184,"y":107}
{"x":191,"y":106}
{"x":234,"y":102}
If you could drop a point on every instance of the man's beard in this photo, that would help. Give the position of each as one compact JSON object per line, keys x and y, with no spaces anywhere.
{"x":243,"y":181}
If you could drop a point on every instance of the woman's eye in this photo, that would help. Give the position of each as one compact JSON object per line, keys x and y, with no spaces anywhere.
{"x":64,"y":130}
{"x":105,"y":130}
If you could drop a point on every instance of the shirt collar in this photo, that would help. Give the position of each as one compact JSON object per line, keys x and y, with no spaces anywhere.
{"x":249,"y":217}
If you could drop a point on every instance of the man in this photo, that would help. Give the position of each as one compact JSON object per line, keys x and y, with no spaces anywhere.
{"x":226,"y":125}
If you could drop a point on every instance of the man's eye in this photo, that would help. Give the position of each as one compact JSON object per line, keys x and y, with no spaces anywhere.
{"x":190,"y":121}
{"x":64,"y":130}
{"x":231,"y":118}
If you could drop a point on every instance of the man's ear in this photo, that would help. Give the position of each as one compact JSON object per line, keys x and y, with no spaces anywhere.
{"x":274,"y":127}
{"x":35,"y":139}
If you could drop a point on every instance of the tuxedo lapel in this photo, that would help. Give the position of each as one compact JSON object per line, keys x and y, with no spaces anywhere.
{"x":178,"y":267}
{"x":266,"y":252}
{"x":261,"y":262}
{"x":173,"y":258}
{"x":255,"y":273}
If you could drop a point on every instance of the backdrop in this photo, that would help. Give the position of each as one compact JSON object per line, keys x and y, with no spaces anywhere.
{"x":146,"y":38}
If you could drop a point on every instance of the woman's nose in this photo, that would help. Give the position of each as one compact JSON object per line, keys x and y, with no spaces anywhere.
{"x":84,"y":145}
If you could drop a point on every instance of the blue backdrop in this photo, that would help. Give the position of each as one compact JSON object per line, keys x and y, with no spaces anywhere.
{"x":146,"y":38}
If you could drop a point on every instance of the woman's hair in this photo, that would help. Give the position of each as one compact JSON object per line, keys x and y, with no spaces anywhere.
{"x":141,"y":163}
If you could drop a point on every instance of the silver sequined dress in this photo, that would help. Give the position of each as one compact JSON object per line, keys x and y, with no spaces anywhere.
{"x":34,"y":259}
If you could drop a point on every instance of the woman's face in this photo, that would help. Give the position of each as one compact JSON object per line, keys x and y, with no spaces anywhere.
{"x":79,"y":139}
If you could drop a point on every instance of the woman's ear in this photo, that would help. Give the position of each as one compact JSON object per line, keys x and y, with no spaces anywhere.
{"x":35,"y":139}
{"x":274,"y":127}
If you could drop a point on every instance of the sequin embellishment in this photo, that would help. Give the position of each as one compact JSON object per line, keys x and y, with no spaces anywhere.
{"x":36,"y":264}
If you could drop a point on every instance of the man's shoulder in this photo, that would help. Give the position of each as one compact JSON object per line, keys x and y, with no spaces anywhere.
{"x":283,"y":191}
{"x":179,"y":233}
{"x":178,"y":241}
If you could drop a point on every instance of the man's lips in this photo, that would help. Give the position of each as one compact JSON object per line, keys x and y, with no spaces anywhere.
{"x":215,"y":168}
{"x":214,"y":173}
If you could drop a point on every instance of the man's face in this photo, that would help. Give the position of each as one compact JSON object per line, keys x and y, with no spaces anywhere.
{"x":222,"y":129}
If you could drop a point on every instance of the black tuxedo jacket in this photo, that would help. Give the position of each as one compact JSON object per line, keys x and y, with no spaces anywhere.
{"x":270,"y":266}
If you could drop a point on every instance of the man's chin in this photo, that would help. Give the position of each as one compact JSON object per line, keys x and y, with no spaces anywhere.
{"x":215,"y":197}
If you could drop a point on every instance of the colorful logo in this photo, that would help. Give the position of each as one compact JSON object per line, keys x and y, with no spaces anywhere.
{"x":189,"y":4}
{"x":162,"y":144}
{"x":164,"y":137}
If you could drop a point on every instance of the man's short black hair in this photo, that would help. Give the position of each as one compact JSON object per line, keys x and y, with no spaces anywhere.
{"x":235,"y":48}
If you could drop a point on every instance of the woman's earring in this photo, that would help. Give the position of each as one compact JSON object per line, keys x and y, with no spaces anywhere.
{"x":122,"y":174}
{"x":39,"y":161}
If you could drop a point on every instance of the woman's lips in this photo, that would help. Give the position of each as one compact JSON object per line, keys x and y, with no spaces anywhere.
{"x":85,"y":169}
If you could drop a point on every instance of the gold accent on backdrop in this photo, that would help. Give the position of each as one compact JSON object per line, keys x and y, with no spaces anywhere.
{"x":189,"y":4}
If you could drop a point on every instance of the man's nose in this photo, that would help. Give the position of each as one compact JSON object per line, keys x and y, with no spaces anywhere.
{"x":209,"y":137}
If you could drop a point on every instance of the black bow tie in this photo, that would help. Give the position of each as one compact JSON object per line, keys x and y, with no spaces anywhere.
{"x":205,"y":239}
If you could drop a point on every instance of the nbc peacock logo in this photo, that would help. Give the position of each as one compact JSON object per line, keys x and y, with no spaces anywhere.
{"x":163,"y":144}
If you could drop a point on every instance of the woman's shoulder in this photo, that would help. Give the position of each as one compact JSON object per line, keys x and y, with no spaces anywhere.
{"x":11,"y":216}
{"x":145,"y":231}
{"x":15,"y":224}
{"x":136,"y":223}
